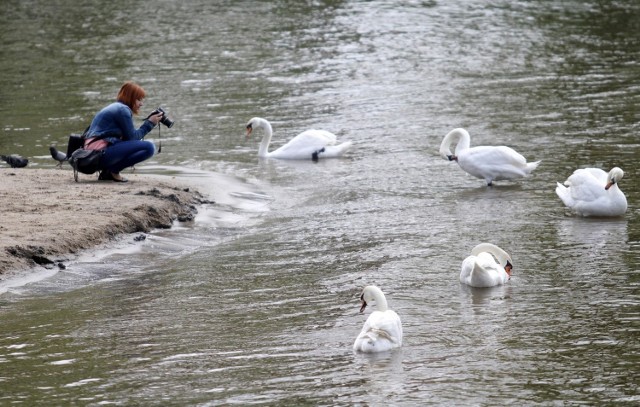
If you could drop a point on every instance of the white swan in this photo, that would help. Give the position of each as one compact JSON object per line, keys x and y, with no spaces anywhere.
{"x":593,"y":192}
{"x":382,"y":331}
{"x":491,"y":163}
{"x":487,"y":266}
{"x":310,"y":144}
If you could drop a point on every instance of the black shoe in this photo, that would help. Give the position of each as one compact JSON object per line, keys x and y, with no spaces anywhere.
{"x":105,"y":176}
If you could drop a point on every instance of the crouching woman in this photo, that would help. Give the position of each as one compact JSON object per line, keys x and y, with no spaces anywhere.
{"x":113,"y":131}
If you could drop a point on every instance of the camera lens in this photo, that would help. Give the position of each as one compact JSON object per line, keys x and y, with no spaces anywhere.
{"x":166,"y":121}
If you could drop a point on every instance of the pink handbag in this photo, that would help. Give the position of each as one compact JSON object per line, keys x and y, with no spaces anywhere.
{"x":92,"y":144}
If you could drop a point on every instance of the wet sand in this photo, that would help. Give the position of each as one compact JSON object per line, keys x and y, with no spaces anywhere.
{"x":47,"y":218}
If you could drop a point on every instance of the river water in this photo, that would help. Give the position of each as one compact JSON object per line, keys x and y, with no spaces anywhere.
{"x":256,"y":302}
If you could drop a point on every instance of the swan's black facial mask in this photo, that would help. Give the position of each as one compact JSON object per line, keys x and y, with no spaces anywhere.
{"x":508,"y":268}
{"x":364,"y":304}
{"x":611,"y":183}
{"x":249,"y":129}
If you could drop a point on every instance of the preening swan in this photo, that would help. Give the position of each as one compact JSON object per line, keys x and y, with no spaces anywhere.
{"x":491,"y":163}
{"x":593,"y":192}
{"x":382,"y":331}
{"x":308,"y":145}
{"x":487,"y":266}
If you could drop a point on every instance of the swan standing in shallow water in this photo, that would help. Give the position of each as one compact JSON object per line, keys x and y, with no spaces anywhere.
{"x":491,"y":163}
{"x":308,"y":145}
{"x":593,"y":192}
{"x":488,"y":266}
{"x":382,"y":331}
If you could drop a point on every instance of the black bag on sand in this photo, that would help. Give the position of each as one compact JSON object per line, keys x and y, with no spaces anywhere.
{"x":85,"y":161}
{"x":81,"y":159}
{"x":76,"y":141}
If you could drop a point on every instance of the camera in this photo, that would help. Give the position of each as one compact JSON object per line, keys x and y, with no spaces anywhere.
{"x":165,"y":120}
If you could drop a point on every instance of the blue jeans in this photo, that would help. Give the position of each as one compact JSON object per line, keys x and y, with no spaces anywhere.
{"x":126,"y":154}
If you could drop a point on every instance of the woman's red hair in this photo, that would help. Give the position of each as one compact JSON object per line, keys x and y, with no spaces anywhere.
{"x":129,"y":93}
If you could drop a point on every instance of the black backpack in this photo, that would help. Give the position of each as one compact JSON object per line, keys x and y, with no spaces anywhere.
{"x":81,"y":159}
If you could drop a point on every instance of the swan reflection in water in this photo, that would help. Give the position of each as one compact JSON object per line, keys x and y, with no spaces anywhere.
{"x":592,"y":232}
{"x":591,"y":245}
{"x":483,"y":296}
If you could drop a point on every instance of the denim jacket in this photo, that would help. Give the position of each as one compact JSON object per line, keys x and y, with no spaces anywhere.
{"x":116,"y":120}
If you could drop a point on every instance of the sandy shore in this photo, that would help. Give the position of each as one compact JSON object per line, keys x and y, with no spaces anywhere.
{"x":46,"y":217}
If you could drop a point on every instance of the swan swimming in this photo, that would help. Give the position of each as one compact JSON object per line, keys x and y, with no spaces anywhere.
{"x":310,"y":144}
{"x":382,"y":331}
{"x":491,"y":163}
{"x":487,"y":266}
{"x":593,"y":192}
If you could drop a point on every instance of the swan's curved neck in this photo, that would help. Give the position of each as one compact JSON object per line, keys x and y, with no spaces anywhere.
{"x":459,"y":136}
{"x":263,"y":151}
{"x":375,"y":294}
{"x":502,"y":256}
{"x":614,"y":176}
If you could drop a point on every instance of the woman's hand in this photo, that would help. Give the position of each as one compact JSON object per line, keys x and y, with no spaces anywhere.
{"x":155,"y":119}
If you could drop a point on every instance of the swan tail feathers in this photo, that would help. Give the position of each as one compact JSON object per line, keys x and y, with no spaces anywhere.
{"x":376,"y":340}
{"x":563,"y":194}
{"x":532,"y":166}
{"x":334,"y":151}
